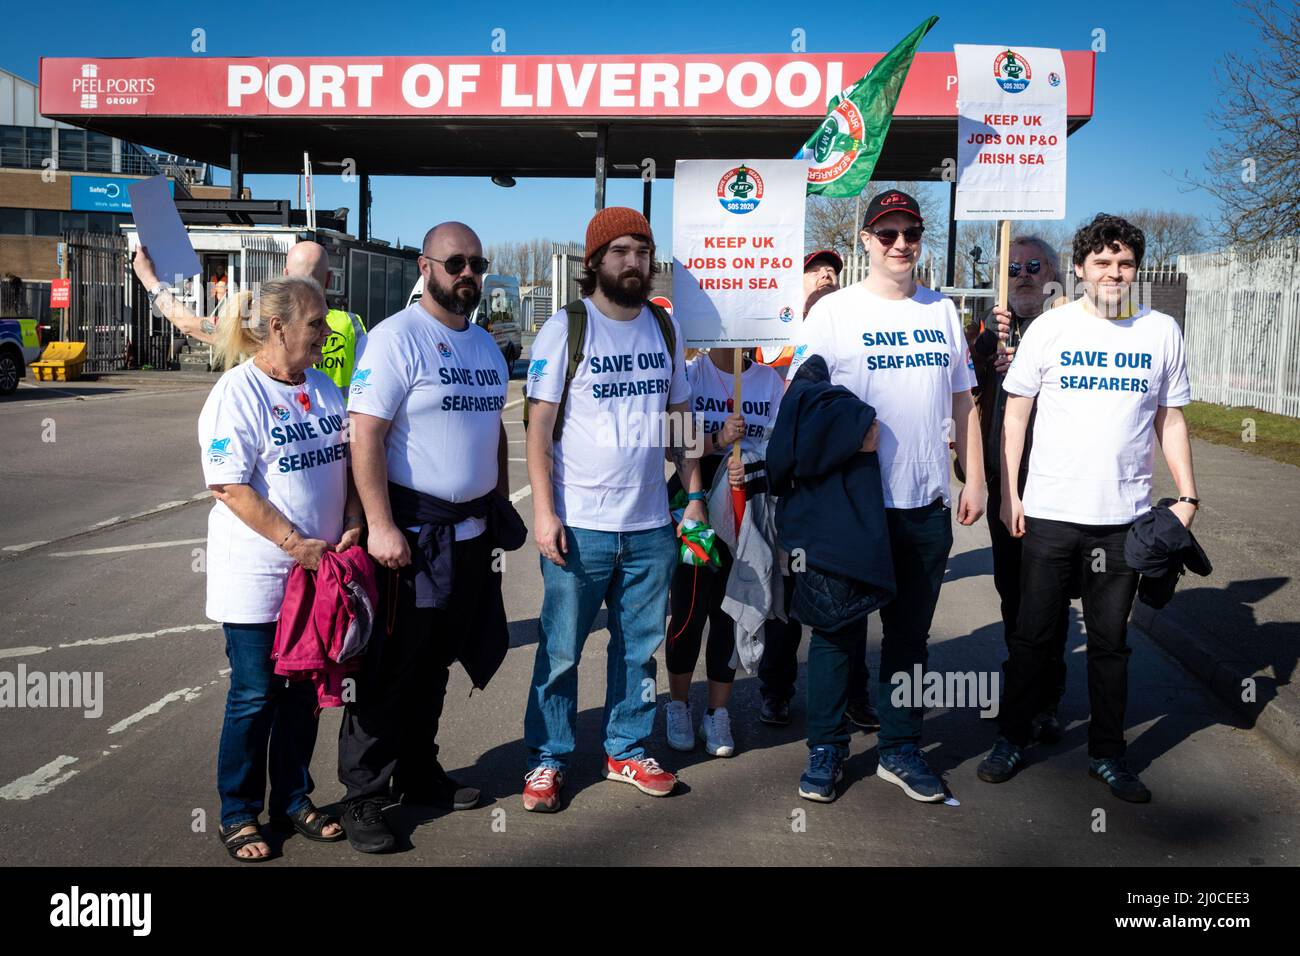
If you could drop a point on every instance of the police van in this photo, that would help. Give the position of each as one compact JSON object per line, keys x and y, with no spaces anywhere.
{"x":20,"y":346}
{"x":499,"y":312}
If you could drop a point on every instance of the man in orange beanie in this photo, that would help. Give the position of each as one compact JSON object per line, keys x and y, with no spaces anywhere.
{"x":600,"y":505}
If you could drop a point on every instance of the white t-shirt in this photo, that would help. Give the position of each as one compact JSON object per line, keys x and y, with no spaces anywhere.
{"x":1099,"y":382}
{"x":443,"y":391}
{"x":255,"y":431}
{"x":761,"y":389}
{"x":609,"y":461}
{"x":906,"y":358}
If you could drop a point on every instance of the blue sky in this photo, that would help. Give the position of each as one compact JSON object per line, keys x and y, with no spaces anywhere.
{"x":1155,"y":85}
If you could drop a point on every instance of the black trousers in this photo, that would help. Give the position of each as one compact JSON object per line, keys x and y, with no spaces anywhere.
{"x":694,"y":599}
{"x":1055,"y":552}
{"x":780,"y":665}
{"x":1006,"y":578}
{"x":388,"y":737}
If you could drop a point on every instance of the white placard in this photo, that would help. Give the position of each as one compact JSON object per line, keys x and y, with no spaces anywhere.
{"x":738,"y":250}
{"x":1010,"y":132}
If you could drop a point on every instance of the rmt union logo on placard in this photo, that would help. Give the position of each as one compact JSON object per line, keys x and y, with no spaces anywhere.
{"x":1012,"y":72}
{"x":740,"y":189}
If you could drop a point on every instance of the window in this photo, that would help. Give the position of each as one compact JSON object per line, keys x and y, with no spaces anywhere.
{"x":46,"y":223}
{"x":72,"y":149}
{"x":378,"y":307}
{"x":99,"y":152}
{"x":396,"y":293}
{"x":13,"y":222}
{"x":358,"y":287}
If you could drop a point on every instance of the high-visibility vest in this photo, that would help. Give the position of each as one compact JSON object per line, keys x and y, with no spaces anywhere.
{"x":340,"y":349}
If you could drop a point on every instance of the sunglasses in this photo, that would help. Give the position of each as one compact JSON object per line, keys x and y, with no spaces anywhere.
{"x":456,"y":264}
{"x":1032,"y":267}
{"x":912,"y":235}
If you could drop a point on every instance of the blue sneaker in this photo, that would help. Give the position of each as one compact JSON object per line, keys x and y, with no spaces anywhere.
{"x":825,"y":770}
{"x":1123,"y":782}
{"x":908,"y":769}
{"x":1002,"y":762}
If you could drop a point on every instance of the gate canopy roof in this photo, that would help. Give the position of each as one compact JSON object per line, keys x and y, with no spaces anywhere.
{"x":519,"y":116}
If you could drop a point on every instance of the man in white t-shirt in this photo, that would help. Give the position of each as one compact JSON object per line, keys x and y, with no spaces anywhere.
{"x":600,"y":506}
{"x":1110,"y":379}
{"x":428,"y":458}
{"x":899,"y":347}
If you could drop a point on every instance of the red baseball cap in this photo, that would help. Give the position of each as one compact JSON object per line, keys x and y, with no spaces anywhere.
{"x":828,"y":254}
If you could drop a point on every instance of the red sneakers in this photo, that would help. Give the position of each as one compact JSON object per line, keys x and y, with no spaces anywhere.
{"x":542,"y":789}
{"x":644,"y":773}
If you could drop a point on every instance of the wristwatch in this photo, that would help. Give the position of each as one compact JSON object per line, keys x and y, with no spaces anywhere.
{"x":1194,"y":502}
{"x":697,"y":496}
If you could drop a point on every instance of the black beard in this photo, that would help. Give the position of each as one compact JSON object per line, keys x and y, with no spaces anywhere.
{"x":619,"y":293}
{"x":454,"y":303}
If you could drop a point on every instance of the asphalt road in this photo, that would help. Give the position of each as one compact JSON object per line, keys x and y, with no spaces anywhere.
{"x":123,"y":596}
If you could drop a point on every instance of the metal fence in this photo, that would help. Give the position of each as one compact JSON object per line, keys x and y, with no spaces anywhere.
{"x":566,"y":268}
{"x":1242,"y":329}
{"x":98,"y":316}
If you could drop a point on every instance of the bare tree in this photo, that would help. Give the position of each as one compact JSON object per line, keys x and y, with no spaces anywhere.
{"x":1167,"y":233}
{"x":1254,"y":170}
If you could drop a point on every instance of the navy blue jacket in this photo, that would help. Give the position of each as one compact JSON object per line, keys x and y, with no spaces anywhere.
{"x":831,"y":500}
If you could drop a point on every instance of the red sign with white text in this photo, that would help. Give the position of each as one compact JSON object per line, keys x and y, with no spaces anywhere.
{"x":60,"y":293}
{"x":765,"y":84}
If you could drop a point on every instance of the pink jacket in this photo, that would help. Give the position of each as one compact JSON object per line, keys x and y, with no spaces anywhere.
{"x":325,"y":622}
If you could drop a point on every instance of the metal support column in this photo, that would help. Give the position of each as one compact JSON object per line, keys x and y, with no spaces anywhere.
{"x":645,"y":198}
{"x":950,"y":272}
{"x":602,"y":139}
{"x":363,"y":217}
{"x":236,"y":163}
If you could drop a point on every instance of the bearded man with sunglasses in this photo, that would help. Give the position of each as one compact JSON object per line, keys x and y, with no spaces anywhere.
{"x":1032,"y":270}
{"x":901,"y":348}
{"x":429,"y":462}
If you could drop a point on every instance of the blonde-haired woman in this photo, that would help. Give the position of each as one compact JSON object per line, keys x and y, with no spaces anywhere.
{"x":274,"y":455}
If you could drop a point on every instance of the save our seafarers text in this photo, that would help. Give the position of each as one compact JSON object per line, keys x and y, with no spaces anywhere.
{"x":750,"y":256}
{"x":1013,"y":129}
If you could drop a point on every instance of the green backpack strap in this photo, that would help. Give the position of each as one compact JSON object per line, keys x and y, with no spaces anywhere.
{"x":666,"y":329}
{"x":576,"y":312}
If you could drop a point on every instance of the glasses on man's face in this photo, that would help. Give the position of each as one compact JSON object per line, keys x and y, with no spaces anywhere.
{"x":456,"y":264}
{"x":887,"y":237}
{"x":1032,"y":267}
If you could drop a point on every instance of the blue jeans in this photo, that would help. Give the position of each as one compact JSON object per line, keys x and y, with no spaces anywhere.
{"x":629,"y":572}
{"x":919,"y":542}
{"x":262,"y":714}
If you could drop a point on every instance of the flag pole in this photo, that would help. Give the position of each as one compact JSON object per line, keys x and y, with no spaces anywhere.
{"x":737,"y":494}
{"x":1004,"y":264}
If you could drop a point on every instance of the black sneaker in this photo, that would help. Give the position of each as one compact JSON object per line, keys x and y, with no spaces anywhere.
{"x":444,"y":792}
{"x":775,"y":712}
{"x":364,"y":824}
{"x":862,"y":714}
{"x":1002,"y":762}
{"x":1123,"y":782}
{"x":1047,"y":727}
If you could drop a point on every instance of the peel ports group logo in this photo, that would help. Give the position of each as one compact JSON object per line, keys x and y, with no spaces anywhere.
{"x":1012,"y":71}
{"x":115,"y":91}
{"x":740,"y":190}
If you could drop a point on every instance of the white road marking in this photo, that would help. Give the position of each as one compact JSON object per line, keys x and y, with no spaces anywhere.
{"x":124,"y":638}
{"x":25,"y":547}
{"x":516,"y":459}
{"x":22,"y":651}
{"x":521,"y":494}
{"x":127,"y":547}
{"x":39,"y":781}
{"x":185,"y":693}
{"x":115,"y":639}
{"x":512,"y":404}
{"x":512,"y":422}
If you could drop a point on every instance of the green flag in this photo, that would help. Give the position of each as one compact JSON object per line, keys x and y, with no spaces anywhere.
{"x":842,"y":153}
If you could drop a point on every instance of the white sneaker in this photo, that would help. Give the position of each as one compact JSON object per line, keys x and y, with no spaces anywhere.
{"x":716,"y":733}
{"x":681,"y":734}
